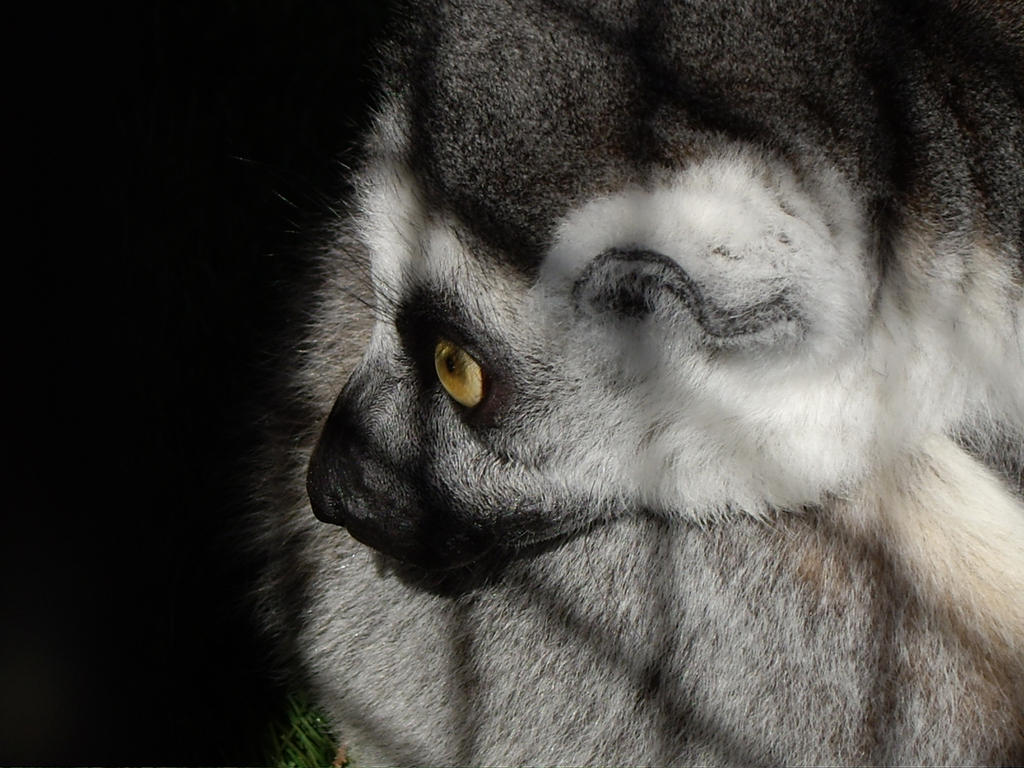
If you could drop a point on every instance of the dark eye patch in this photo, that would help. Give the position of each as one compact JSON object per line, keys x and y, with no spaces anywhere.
{"x":424,"y":318}
{"x":429,"y":315}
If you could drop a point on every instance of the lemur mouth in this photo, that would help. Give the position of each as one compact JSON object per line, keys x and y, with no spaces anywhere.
{"x":452,"y":553}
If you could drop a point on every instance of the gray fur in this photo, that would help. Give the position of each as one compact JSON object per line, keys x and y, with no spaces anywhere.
{"x":700,"y":516}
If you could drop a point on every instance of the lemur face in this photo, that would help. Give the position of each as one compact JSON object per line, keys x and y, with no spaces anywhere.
{"x":692,"y":347}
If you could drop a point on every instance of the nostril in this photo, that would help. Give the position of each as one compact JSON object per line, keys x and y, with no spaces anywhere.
{"x":327,"y":510}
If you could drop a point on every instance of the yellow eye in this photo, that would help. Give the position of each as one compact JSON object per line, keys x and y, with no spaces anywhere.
{"x":459,"y":373}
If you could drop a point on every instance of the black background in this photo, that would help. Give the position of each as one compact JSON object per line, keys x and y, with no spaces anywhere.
{"x":170,"y":160}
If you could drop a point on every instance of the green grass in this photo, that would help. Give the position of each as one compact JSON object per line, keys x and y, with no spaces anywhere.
{"x":302,"y":739}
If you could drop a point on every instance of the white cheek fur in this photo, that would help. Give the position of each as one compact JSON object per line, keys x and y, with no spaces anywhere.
{"x":772,"y":428}
{"x":879,"y":369}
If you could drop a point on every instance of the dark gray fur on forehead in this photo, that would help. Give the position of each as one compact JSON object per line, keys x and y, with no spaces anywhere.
{"x":521,"y":109}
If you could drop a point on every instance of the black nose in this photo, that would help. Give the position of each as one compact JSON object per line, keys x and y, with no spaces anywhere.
{"x":352,"y":481}
{"x":326,"y":478}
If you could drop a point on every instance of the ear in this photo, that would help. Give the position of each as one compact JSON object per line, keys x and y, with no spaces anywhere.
{"x":636,"y":284}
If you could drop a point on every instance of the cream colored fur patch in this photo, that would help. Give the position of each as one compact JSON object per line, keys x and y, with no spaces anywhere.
{"x":960,"y":533}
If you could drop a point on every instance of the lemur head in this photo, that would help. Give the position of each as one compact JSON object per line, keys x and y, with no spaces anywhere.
{"x":597,"y":295}
{"x":686,"y":347}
